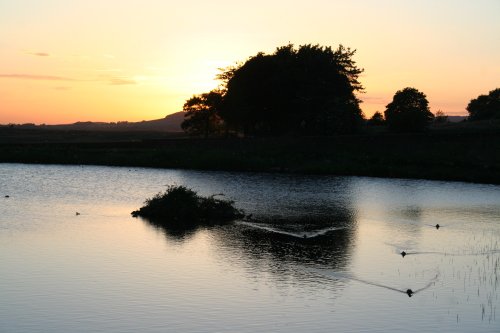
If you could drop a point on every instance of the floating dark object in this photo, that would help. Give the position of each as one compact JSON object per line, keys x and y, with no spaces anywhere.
{"x":403,"y":253}
{"x":437,"y":226}
{"x":77,"y":214}
{"x":7,"y":196}
{"x":409,"y":292}
{"x":305,"y":236}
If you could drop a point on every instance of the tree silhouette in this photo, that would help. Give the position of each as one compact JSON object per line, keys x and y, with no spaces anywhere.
{"x":306,"y":91}
{"x":440,"y":117}
{"x":376,"y":120}
{"x":485,"y":106}
{"x":408,"y":111}
{"x":201,"y":114}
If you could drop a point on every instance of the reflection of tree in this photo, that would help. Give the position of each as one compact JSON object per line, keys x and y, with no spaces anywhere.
{"x":283,"y":209}
{"x":287,"y":253}
{"x":174,"y":233}
{"x":280,"y":246}
{"x":331,"y":249}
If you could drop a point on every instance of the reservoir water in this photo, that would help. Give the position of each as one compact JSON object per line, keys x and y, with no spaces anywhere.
{"x":318,"y":254}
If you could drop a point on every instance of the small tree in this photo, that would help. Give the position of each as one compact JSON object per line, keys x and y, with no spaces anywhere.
{"x":485,"y":106}
{"x":201,"y":117}
{"x":408,"y":111}
{"x":440,"y":117}
{"x":376,"y":120}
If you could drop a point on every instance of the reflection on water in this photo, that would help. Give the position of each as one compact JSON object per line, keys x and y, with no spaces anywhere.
{"x":332,"y":249}
{"x":278,"y":245}
{"x":316,"y":254}
{"x":300,"y":231}
{"x":295,"y":228}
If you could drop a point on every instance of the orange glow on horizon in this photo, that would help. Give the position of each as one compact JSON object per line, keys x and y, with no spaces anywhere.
{"x":64,"y":62}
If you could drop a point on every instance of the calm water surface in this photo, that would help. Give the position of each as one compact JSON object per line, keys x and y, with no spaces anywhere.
{"x":104,"y":271}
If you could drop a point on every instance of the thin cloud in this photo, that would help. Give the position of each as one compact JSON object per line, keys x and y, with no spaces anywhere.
{"x":109,"y":70}
{"x":118,"y":81}
{"x":39,"y":54}
{"x":62,"y":88}
{"x":374,"y":99}
{"x":36,"y":77}
{"x":36,"y":54}
{"x":114,"y":81}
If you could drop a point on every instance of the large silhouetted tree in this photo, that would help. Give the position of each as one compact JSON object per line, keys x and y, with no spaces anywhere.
{"x":485,"y":106}
{"x":408,"y":111}
{"x":201,"y":117}
{"x":308,"y":90}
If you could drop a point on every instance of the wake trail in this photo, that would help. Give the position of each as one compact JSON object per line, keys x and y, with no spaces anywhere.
{"x":302,"y":235}
{"x":409,"y":292}
{"x":401,"y":251}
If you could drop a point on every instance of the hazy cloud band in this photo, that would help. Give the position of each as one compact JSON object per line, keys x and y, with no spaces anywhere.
{"x":36,"y":77}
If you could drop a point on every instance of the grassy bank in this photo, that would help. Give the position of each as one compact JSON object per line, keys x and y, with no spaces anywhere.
{"x":473,"y":157}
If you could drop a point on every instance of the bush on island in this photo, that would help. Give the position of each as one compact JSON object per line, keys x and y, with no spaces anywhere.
{"x":181,"y":205}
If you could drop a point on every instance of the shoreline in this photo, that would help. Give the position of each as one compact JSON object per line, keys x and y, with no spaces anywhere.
{"x":466,"y":157}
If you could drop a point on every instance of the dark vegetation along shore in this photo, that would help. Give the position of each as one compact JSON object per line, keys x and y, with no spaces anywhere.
{"x":456,"y":153}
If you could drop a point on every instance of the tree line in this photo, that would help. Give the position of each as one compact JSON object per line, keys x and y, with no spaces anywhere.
{"x":304,"y":91}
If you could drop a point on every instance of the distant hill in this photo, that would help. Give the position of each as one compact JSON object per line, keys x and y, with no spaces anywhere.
{"x":171,"y":123}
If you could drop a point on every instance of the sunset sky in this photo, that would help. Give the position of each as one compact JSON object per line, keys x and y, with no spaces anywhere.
{"x":63,"y":61}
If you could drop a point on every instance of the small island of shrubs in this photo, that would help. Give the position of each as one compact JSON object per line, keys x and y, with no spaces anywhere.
{"x":181,"y":206}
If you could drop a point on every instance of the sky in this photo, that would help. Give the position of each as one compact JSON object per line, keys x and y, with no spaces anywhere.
{"x":91,"y":60}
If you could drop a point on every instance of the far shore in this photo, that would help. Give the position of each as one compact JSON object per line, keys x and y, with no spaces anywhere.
{"x":435,"y":155}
